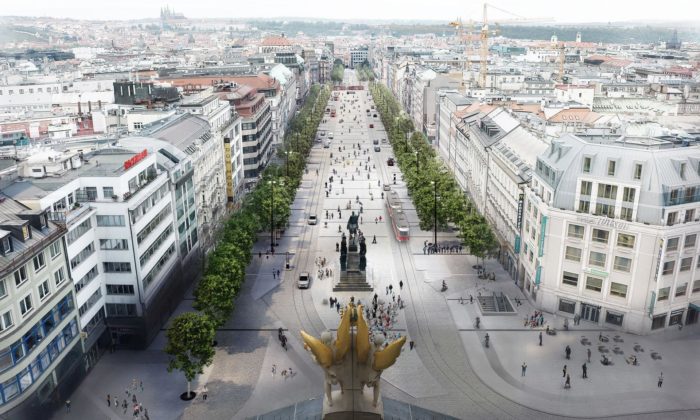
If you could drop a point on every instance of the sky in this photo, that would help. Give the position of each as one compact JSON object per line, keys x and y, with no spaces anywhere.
{"x":560,"y":11}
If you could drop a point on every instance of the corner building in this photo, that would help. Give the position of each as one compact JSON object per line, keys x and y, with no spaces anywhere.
{"x":610,"y":232}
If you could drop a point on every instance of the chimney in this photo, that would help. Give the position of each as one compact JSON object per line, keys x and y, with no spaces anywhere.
{"x":99,"y":104}
{"x":80,"y":111}
{"x":89,"y":107}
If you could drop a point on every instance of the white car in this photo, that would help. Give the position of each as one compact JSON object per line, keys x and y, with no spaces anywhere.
{"x":313,"y":219}
{"x":330,"y":136}
{"x":304,"y":280}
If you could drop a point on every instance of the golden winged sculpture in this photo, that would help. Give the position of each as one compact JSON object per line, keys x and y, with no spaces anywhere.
{"x":355,"y":353}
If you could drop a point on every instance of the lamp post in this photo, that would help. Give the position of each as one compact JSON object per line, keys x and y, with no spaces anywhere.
{"x":435,"y":213}
{"x":272,"y":217}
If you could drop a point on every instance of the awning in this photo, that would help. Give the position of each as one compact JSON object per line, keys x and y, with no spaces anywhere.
{"x":695,"y":305}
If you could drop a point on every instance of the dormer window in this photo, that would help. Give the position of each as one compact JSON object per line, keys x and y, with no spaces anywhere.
{"x":637,"y":171}
{"x":611,"y":167}
{"x":6,"y":245}
{"x":25,"y":232}
{"x":587,"y":164}
{"x":682,"y":170}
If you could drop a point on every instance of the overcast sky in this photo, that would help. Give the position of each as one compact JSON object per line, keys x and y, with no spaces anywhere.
{"x":561,"y":11}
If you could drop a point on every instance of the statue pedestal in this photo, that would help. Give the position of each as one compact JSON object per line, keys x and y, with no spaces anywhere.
{"x":354,"y":404}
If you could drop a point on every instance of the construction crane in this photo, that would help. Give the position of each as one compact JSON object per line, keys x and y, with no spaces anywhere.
{"x":484,"y":37}
{"x":467,"y":38}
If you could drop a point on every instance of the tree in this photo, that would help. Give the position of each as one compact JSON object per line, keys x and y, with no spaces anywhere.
{"x":190,"y":338}
{"x":477,"y":235}
{"x":214,"y":296}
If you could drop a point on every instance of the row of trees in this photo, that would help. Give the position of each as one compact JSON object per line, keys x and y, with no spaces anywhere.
{"x":364,"y":72}
{"x":338,"y":71}
{"x":434,"y":191}
{"x":191,"y":335}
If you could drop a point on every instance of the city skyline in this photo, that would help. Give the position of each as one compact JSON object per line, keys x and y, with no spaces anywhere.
{"x":622,"y":11}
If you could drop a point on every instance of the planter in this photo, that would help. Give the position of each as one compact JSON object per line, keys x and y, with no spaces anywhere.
{"x":185,"y":397}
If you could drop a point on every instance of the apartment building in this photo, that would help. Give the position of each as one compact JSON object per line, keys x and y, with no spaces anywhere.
{"x":611,"y":232}
{"x":40,"y":350}
{"x":128,"y":237}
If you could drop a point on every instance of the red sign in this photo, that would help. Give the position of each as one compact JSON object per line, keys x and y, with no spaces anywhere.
{"x":135,"y":159}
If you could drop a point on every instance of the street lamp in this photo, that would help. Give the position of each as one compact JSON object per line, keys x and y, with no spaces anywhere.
{"x":272,"y":217}
{"x":434,"y":183}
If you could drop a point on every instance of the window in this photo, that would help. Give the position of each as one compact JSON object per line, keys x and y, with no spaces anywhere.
{"x":3,"y":289}
{"x":607,"y":191}
{"x":573,"y":254}
{"x":79,"y":231}
{"x":567,"y":306}
{"x":686,"y":263}
{"x":689,"y":241}
{"x":108,"y":192}
{"x":39,"y":262}
{"x":59,"y":276}
{"x":682,"y":171}
{"x":689,"y":215}
{"x":82,"y":255}
{"x":110,"y":220}
{"x":584,"y":206}
{"x":570,"y":279}
{"x":20,"y":275}
{"x":659,"y":321}
{"x":575,"y":231}
{"x":121,"y":309}
{"x":605,"y":210}
{"x":628,"y":195}
{"x":626,"y":213}
{"x":117,"y":267}
{"x":614,"y":318}
{"x":586,"y":187}
{"x":682,"y":289}
{"x":611,"y":168}
{"x":600,"y":235}
{"x":587,"y":165}
{"x":597,"y":259}
{"x":120,"y":289}
{"x":696,"y":286}
{"x":44,"y":290}
{"x":618,"y":289}
{"x":6,"y":321}
{"x":25,"y":305}
{"x":669,"y":266}
{"x":663,"y":294}
{"x":594,"y":283}
{"x":55,"y":249}
{"x":622,"y":264}
{"x":672,"y":218}
{"x":90,"y":302}
{"x":672,"y":244}
{"x":114,"y":244}
{"x":86,"y":279}
{"x":625,"y":240}
{"x":637,"y":171}
{"x":676,"y":317}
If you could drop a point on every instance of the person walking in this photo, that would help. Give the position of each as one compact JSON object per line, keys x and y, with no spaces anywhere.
{"x":661,"y":380}
{"x":589,"y":355}
{"x":109,"y":401}
{"x":524,"y":368}
{"x":584,"y":368}
{"x":141,"y":385}
{"x":567,"y":350}
{"x":400,"y":284}
{"x":67,"y":406}
{"x":411,"y":344}
{"x":567,"y":384}
{"x":540,"y":338}
{"x":205,"y":393}
{"x":564,"y":372}
{"x":274,"y":370}
{"x":273,"y":274}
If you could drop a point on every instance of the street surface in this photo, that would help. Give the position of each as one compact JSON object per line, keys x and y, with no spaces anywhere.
{"x":449,"y":371}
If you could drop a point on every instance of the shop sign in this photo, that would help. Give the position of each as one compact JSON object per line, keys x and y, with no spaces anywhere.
{"x":135,"y":159}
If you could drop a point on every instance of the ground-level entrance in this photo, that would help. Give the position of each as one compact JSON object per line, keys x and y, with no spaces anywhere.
{"x":692,"y":316}
{"x":590,"y":312}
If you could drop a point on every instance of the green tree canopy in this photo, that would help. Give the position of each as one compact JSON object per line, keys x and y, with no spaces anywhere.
{"x":189,"y":345}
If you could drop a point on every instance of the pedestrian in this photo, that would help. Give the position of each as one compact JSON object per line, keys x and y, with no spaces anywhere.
{"x":133,"y":398}
{"x":589,"y":355}
{"x":400,"y":284}
{"x":337,"y":306}
{"x":387,"y":290}
{"x":273,"y":274}
{"x":68,"y":406}
{"x":124,"y":405}
{"x":374,"y":239}
{"x":116,"y":403}
{"x":284,"y":374}
{"x":584,"y":368}
{"x":205,"y":393}
{"x":291,"y":373}
{"x":567,"y":384}
{"x":391,"y":287}
{"x":278,"y":273}
{"x":471,"y":299}
{"x":274,"y":370}
{"x":661,"y":380}
{"x":564,"y":372}
{"x":524,"y":368}
{"x":411,"y":344}
{"x":568,"y":352}
{"x":141,"y":385}
{"x":540,"y":338}
{"x":109,"y":401}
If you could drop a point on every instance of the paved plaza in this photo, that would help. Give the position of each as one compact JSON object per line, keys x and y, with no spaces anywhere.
{"x":449,"y":371}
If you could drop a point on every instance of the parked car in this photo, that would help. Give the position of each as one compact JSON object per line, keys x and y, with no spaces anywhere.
{"x":377,"y":149}
{"x":313,"y":219}
{"x":390,"y":161}
{"x":371,"y":126}
{"x":384,"y":141}
{"x":330,"y":135}
{"x":375,"y":142}
{"x":386,"y":187}
{"x":304,"y":280}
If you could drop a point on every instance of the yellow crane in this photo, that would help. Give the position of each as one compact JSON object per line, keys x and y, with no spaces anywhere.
{"x":484,"y":36}
{"x":466,"y":37}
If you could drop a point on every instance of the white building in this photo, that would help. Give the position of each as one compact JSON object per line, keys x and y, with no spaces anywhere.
{"x":611,"y":232}
{"x":39,"y":340}
{"x":125,"y":234}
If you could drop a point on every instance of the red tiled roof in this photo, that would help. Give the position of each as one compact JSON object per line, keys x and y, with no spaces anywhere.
{"x":275,"y":41}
